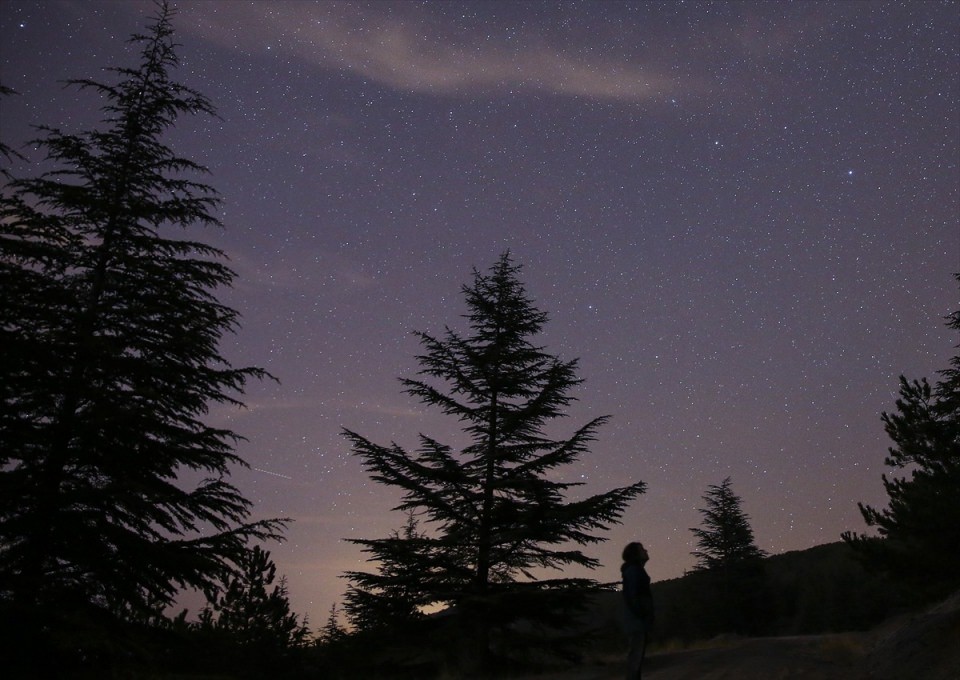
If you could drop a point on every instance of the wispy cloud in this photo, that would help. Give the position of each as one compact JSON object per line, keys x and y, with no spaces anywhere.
{"x":417,"y":53}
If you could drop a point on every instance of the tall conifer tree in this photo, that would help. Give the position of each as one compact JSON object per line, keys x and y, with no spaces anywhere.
{"x":110,"y":333}
{"x":497,"y":506}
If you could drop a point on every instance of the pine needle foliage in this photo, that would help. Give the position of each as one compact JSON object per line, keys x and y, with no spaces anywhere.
{"x":918,"y":533}
{"x":110,"y":329}
{"x":393,"y":595}
{"x":332,"y":630}
{"x":6,"y":152}
{"x":254,"y":609}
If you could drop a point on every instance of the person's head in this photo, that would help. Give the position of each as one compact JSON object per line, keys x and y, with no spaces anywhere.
{"x":635,"y":552}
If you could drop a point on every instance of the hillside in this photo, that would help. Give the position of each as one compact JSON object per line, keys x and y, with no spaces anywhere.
{"x":823,"y":589}
{"x":812,"y":614}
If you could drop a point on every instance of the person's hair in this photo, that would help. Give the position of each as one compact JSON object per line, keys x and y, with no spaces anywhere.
{"x":631,"y":553}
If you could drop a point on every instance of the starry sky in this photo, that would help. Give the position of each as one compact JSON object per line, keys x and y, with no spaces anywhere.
{"x":742,"y":217}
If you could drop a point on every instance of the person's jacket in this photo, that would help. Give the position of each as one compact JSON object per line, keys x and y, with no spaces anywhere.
{"x":636,"y":591}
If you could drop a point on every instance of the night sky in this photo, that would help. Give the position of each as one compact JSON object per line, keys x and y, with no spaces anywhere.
{"x":741,"y":217}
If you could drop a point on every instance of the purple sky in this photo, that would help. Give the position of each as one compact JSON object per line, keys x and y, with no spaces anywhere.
{"x":742,"y":217}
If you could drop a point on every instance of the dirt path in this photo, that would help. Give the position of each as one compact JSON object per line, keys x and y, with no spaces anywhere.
{"x":829,"y":657}
{"x":821,"y":657}
{"x":921,"y":646}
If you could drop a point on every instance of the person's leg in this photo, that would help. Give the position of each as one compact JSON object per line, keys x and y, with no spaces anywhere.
{"x":638,"y":647}
{"x":643,"y":654}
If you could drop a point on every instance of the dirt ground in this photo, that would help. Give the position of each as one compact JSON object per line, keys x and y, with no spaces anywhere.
{"x":839,"y":657}
{"x":924,"y":646}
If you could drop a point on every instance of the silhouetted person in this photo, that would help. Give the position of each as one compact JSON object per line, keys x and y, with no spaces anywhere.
{"x":638,"y":606}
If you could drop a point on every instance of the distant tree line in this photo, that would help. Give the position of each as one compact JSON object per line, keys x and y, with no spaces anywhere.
{"x":824,"y":589}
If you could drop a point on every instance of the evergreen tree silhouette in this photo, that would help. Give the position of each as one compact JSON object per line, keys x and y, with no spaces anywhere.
{"x":332,"y":631}
{"x":254,"y":609}
{"x":731,"y":564}
{"x":918,"y":533}
{"x":497,"y":509}
{"x":110,"y":333}
{"x":394,"y":593}
{"x":726,"y":537}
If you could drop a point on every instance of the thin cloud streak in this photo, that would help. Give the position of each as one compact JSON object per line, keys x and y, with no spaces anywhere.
{"x":402,"y":58}
{"x":407,"y":55}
